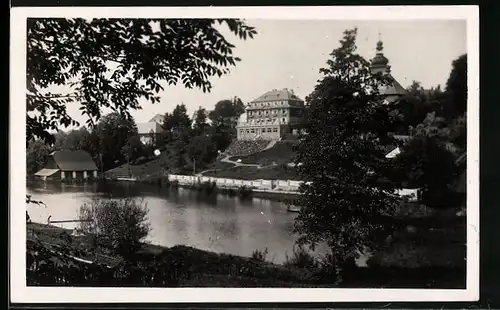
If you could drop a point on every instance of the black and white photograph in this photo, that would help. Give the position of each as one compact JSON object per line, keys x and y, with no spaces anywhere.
{"x":248,"y":154}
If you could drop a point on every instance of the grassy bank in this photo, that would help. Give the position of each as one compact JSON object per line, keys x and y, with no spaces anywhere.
{"x":281,"y":153}
{"x":418,"y":258}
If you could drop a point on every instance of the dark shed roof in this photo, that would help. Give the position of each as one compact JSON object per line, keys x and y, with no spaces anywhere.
{"x":74,"y":161}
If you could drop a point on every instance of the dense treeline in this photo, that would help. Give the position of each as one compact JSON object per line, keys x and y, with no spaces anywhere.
{"x":115,"y":141}
{"x":195,"y":143}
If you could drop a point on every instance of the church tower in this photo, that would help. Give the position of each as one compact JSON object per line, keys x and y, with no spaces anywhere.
{"x":380,"y":63}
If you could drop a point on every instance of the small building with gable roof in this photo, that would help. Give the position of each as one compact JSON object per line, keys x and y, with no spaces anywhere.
{"x":68,"y":165}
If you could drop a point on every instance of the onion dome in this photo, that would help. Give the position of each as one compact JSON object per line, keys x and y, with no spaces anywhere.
{"x":380,"y":62}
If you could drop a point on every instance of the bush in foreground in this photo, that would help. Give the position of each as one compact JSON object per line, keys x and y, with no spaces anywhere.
{"x":121,"y":224}
{"x":301,"y":258}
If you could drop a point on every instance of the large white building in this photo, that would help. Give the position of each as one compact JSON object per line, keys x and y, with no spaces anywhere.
{"x":271,"y":115}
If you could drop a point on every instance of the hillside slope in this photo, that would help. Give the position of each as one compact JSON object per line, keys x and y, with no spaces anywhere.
{"x":279,"y":154}
{"x":272,"y":158}
{"x":270,"y":164}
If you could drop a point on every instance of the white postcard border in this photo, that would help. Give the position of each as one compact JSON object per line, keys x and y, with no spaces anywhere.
{"x":23,"y":294}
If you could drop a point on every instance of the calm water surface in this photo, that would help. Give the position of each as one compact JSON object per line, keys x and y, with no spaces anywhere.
{"x":179,"y":216}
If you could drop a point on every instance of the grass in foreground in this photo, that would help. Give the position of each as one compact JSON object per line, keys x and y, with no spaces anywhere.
{"x":403,"y":264}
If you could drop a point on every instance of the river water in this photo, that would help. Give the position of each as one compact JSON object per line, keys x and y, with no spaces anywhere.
{"x":216,"y":223}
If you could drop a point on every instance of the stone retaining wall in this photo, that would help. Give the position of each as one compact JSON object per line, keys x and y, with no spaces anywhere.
{"x":263,"y":185}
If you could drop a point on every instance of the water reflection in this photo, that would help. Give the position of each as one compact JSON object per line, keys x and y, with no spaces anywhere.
{"x":180,"y":216}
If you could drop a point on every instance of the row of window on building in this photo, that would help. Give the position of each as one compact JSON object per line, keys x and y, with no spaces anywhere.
{"x":259,"y":130}
{"x":267,"y":104}
{"x":268,"y":121}
{"x":250,"y":113}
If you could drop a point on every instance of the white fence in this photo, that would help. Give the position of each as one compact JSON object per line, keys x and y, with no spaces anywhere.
{"x":278,"y":185}
{"x":265,"y":185}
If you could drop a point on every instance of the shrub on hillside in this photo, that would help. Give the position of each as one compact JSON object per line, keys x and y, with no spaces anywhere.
{"x":120,"y":224}
{"x":301,"y":258}
{"x":327,"y":271}
{"x":260,"y":255}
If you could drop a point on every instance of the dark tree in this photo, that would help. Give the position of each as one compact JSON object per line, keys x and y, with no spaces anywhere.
{"x":427,"y":165}
{"x":114,"y":132}
{"x":76,"y":140}
{"x":59,"y":140}
{"x":200,"y":121}
{"x":227,"y":112}
{"x":413,"y":107}
{"x":345,"y":198}
{"x":114,"y":63}
{"x":178,"y":121}
{"x":456,"y":88}
{"x":458,"y":134}
{"x":202,"y":150}
{"x":37,"y":154}
{"x":427,"y":162}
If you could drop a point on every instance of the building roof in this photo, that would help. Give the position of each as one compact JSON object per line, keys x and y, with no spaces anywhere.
{"x":380,"y":60}
{"x":74,"y":161}
{"x":158,"y":118}
{"x":380,"y":64}
{"x":46,"y":172}
{"x":392,"y":154}
{"x":148,"y":128}
{"x":393,"y":89}
{"x":275,"y":94}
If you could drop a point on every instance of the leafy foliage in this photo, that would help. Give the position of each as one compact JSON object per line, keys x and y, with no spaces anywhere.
{"x":122,"y":224}
{"x":416,"y":104}
{"x":114,"y":134}
{"x":347,"y":197}
{"x":73,"y":140}
{"x":456,"y":88}
{"x":37,"y":154}
{"x":37,"y":202}
{"x":200,"y":121}
{"x":301,"y":258}
{"x":114,"y":63}
{"x":227,"y":111}
{"x":458,"y":132}
{"x":426,"y":164}
{"x":178,"y":122}
{"x":427,"y":161}
{"x":260,"y":255}
{"x":63,"y":266}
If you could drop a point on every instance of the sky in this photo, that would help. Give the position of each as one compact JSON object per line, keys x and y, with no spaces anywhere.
{"x":289,"y":54}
